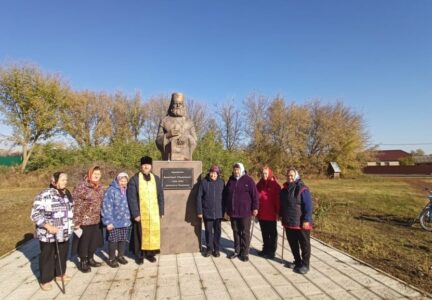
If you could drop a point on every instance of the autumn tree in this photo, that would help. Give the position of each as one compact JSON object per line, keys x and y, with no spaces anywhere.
{"x":155,"y":108}
{"x":30,"y":100}
{"x":136,"y":115}
{"x":86,"y":117}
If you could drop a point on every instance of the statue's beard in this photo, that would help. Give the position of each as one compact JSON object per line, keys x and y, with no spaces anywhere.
{"x":178,"y":112}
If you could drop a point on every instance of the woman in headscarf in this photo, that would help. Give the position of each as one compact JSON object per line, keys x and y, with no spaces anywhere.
{"x":209,"y":207}
{"x":117,"y":219}
{"x":268,"y":193}
{"x":88,"y":195}
{"x":52,"y":214}
{"x":296,"y":209}
{"x":241,"y":203}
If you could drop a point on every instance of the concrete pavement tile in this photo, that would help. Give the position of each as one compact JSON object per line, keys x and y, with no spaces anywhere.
{"x":328,"y":285}
{"x":212,"y":287}
{"x":125,"y":274}
{"x":217,"y":295}
{"x":288,"y":291}
{"x":97,"y":288}
{"x":24,"y":293}
{"x":167,"y":292}
{"x":386,"y":293}
{"x":365,"y":294}
{"x":11,"y":284}
{"x":147,"y":295}
{"x":265,"y":293}
{"x":191,"y":290}
{"x":195,"y":297}
{"x":319,"y":297}
{"x":185,"y":279}
{"x":295,"y":278}
{"x":349,"y":283}
{"x":276,"y":279}
{"x":67,"y":297}
{"x":167,"y":270}
{"x":234,"y":284}
{"x":256,"y":281}
{"x":308,"y":289}
{"x":143,"y":285}
{"x":114,"y":294}
{"x":167,"y":281}
{"x":147,"y":272}
{"x":338,"y":294}
{"x":242,"y":294}
{"x":367,"y":281}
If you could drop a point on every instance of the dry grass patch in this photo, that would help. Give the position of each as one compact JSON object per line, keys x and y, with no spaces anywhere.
{"x":369,"y":218}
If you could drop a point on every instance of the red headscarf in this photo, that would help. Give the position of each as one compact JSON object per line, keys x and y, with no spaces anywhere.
{"x":270,"y":177}
{"x":269,"y":197}
{"x":95,"y":184}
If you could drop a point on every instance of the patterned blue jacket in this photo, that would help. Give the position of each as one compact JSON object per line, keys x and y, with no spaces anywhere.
{"x":115,"y":209}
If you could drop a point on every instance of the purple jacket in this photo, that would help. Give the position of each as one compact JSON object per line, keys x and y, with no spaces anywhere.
{"x":240,"y":197}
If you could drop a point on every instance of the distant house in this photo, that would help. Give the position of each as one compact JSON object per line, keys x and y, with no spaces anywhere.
{"x":333,"y":170}
{"x":422,"y":160}
{"x":388,"y":158}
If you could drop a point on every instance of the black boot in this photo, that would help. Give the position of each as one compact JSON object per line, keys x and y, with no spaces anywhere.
{"x":94,"y":263}
{"x":84,"y":265}
{"x":112,"y":263}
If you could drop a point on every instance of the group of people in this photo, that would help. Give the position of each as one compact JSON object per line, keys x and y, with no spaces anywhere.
{"x":244,"y":201}
{"x":131,"y":210}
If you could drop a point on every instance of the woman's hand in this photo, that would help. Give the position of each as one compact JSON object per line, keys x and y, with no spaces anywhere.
{"x":137,"y":219}
{"x":199,"y":216}
{"x":110,"y":227}
{"x":51,"y":229}
{"x":307,"y":225}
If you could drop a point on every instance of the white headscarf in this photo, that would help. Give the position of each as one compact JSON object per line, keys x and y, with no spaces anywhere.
{"x":121,"y":175}
{"x":242,"y":169}
{"x":297,"y":175}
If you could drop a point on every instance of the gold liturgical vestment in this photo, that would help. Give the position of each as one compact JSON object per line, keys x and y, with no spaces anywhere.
{"x":149,"y":211}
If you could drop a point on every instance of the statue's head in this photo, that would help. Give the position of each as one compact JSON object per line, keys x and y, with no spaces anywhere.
{"x":177,"y":106}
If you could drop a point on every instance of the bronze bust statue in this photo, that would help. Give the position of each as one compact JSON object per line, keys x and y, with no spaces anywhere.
{"x":176,"y":138}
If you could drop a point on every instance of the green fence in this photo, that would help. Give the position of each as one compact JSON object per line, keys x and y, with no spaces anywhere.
{"x":10,"y":160}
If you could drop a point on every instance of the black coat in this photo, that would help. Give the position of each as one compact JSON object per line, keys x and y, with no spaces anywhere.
{"x":132,"y":193}
{"x":209,"y":200}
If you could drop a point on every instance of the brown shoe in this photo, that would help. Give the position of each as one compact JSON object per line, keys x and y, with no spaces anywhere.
{"x":46,"y":286}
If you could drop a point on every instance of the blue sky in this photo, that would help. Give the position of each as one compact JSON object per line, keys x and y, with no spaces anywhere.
{"x":374,"y":55}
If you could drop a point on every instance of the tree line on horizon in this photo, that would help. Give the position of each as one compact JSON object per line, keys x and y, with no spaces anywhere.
{"x":116,"y":127}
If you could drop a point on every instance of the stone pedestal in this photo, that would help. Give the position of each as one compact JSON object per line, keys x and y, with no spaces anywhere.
{"x":180,"y":227}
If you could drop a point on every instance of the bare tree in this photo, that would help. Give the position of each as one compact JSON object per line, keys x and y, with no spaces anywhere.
{"x":230,"y":125}
{"x":197,"y":112}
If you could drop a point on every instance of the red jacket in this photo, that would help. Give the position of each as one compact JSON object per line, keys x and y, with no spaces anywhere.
{"x":268,"y":192}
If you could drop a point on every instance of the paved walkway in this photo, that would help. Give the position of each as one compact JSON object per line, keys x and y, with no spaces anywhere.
{"x":333,"y":275}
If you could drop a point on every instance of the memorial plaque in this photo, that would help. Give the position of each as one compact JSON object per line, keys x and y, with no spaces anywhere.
{"x":177,"y":178}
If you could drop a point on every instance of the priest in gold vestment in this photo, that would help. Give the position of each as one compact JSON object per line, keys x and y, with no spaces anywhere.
{"x":146,"y":204}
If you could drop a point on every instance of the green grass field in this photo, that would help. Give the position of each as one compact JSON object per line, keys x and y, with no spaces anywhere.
{"x":366,"y":217}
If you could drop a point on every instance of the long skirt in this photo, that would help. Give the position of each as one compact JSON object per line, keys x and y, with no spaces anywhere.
{"x":90,"y":240}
